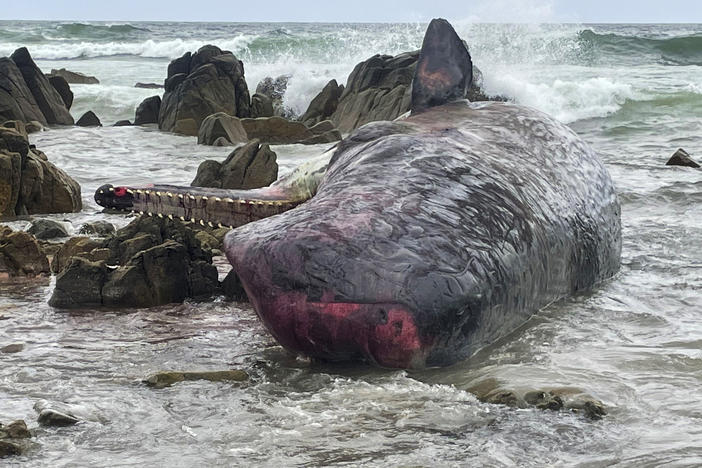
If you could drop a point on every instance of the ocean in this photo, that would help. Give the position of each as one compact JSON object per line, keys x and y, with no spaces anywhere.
{"x":634,"y":92}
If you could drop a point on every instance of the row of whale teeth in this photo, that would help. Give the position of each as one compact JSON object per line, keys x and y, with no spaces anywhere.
{"x":203,"y":197}
{"x":182,"y":218}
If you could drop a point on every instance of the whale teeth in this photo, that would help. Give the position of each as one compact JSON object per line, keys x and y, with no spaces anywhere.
{"x":217,"y":199}
{"x":141,"y":212}
{"x":205,"y":198}
{"x":182,"y":218}
{"x":147,"y":192}
{"x":129,"y":191}
{"x":219,"y":225}
{"x":160,"y":215}
{"x":150,"y":213}
{"x":102,"y":191}
{"x":139,"y":191}
{"x":169,"y":194}
{"x":158,"y":194}
{"x":192,"y":220}
{"x":180,"y":195}
{"x":191,"y":197}
{"x":202,"y":223}
{"x":209,"y":223}
{"x":229,"y":200}
{"x":111,"y":189}
{"x":170,"y":216}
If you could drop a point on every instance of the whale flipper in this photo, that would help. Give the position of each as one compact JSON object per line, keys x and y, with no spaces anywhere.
{"x":444,"y":71}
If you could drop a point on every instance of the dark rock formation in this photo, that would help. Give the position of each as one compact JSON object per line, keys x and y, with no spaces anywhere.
{"x":202,"y":84}
{"x":233,"y":289}
{"x":45,"y":95}
{"x":682,"y":158}
{"x":250,"y":166}
{"x":221,"y":125}
{"x":123,"y":123}
{"x":20,"y":254}
{"x":147,"y":112}
{"x":89,"y":119}
{"x":158,"y":261}
{"x":13,"y":438}
{"x":54,"y":418}
{"x":33,"y":126}
{"x":148,"y":85}
{"x":29,"y":183}
{"x":261,"y":106}
{"x":75,"y":77}
{"x":16,"y":100}
{"x":97,"y":228}
{"x":47,"y":229}
{"x":323,"y":132}
{"x":276,"y":130}
{"x":83,"y":247}
{"x":275,"y":89}
{"x":63,"y":88}
{"x":323,"y":105}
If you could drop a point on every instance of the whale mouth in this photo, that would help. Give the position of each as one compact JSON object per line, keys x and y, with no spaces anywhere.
{"x":383,"y":334}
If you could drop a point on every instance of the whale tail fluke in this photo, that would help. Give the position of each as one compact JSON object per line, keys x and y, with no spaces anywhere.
{"x":444,"y":71}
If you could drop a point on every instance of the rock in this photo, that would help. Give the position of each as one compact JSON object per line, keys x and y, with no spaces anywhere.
{"x":222,"y":141}
{"x":74,"y":247}
{"x":261,"y":106}
{"x":53,"y":418}
{"x":166,"y":379}
{"x":328,"y":137}
{"x":682,"y":158}
{"x":20,"y":254}
{"x":44,"y":188}
{"x":47,"y":98}
{"x":323,"y":105}
{"x":208,"y":241}
{"x":276,"y":130}
{"x":97,"y":228}
{"x":187,"y":127}
{"x":63,"y":88}
{"x":147,"y":111}
{"x":148,"y":85}
{"x":202,"y":84}
{"x":33,"y":126}
{"x":16,"y":100}
{"x":16,"y":430}
{"x":221,"y":125}
{"x":89,"y":119}
{"x":322,"y":127}
{"x":156,"y":261}
{"x":122,"y":123}
{"x":12,"y":348}
{"x":8,"y":448}
{"x":75,"y":77}
{"x":47,"y":229}
{"x":250,"y":166}
{"x":233,"y":289}
{"x":275,"y":89}
{"x":19,"y":128}
{"x":10,"y":177}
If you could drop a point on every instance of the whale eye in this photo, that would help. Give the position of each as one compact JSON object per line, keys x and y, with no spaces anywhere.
{"x":382,"y":316}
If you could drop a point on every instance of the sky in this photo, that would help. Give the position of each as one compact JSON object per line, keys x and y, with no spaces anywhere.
{"x":578,"y":11}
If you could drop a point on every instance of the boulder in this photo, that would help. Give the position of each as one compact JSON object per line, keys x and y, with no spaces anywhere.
{"x":47,"y":229}
{"x":276,"y":130}
{"x":33,"y":126}
{"x":251,"y":166}
{"x":322,"y":127}
{"x":10,"y":177}
{"x":148,"y":85}
{"x":323,"y":105}
{"x":222,"y":141}
{"x":122,"y":123}
{"x":682,"y":158}
{"x":221,"y":125}
{"x":75,"y":77}
{"x":147,"y":112}
{"x":8,"y":448}
{"x":187,"y":127}
{"x":275,"y":89}
{"x":15,"y":430}
{"x":12,"y":348}
{"x":76,"y":247}
{"x":233,"y":289}
{"x":261,"y":106}
{"x":168,"y":378}
{"x":326,"y":137}
{"x":62,"y":87}
{"x":54,"y":418}
{"x":47,"y":98}
{"x":16,"y":100}
{"x":20,"y":254}
{"x":153,"y":261}
{"x":97,"y":228}
{"x":89,"y":119}
{"x":202,"y":84}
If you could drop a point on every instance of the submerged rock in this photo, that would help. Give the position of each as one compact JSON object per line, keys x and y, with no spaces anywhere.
{"x":89,"y":119}
{"x":75,"y":77}
{"x":47,"y":229}
{"x":12,"y":348}
{"x":122,"y":123}
{"x":97,"y":228}
{"x":168,"y":378}
{"x":15,"y":430}
{"x":20,"y":254}
{"x":53,"y":418}
{"x":682,"y":158}
{"x":8,"y":448}
{"x":148,"y":85}
{"x":251,"y":166}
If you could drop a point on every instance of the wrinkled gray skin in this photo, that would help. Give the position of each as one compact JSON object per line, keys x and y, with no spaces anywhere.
{"x":433,"y":236}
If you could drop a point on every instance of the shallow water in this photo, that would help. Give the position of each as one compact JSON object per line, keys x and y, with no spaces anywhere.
{"x":635,"y":342}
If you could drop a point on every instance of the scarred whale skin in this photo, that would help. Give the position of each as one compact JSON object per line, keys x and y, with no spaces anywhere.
{"x":431,"y":237}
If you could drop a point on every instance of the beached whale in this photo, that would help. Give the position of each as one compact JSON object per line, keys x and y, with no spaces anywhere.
{"x":419,"y":241}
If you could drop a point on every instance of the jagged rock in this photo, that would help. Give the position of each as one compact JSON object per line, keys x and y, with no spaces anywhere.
{"x":15,"y":430}
{"x":20,"y":254}
{"x":122,"y":123}
{"x":16,"y":100}
{"x":97,"y":228}
{"x":47,"y":98}
{"x":8,"y":448}
{"x":168,"y":378}
{"x":322,"y":127}
{"x":250,"y":166}
{"x":682,"y":158}
{"x":328,"y":137}
{"x":10,"y":177}
{"x":221,"y":125}
{"x":148,"y":85}
{"x":147,"y":111}
{"x":89,"y":119}
{"x":63,"y":88}
{"x":12,"y":348}
{"x":233,"y":289}
{"x":276,"y":130}
{"x":54,"y":418}
{"x":75,"y":247}
{"x":75,"y":77}
{"x":261,"y":106}
{"x":202,"y":84}
{"x":44,"y":188}
{"x":153,"y":261}
{"x":323,"y":105}
{"x":33,"y":126}
{"x":275,"y":89}
{"x":47,"y":229}
{"x":208,"y":241}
